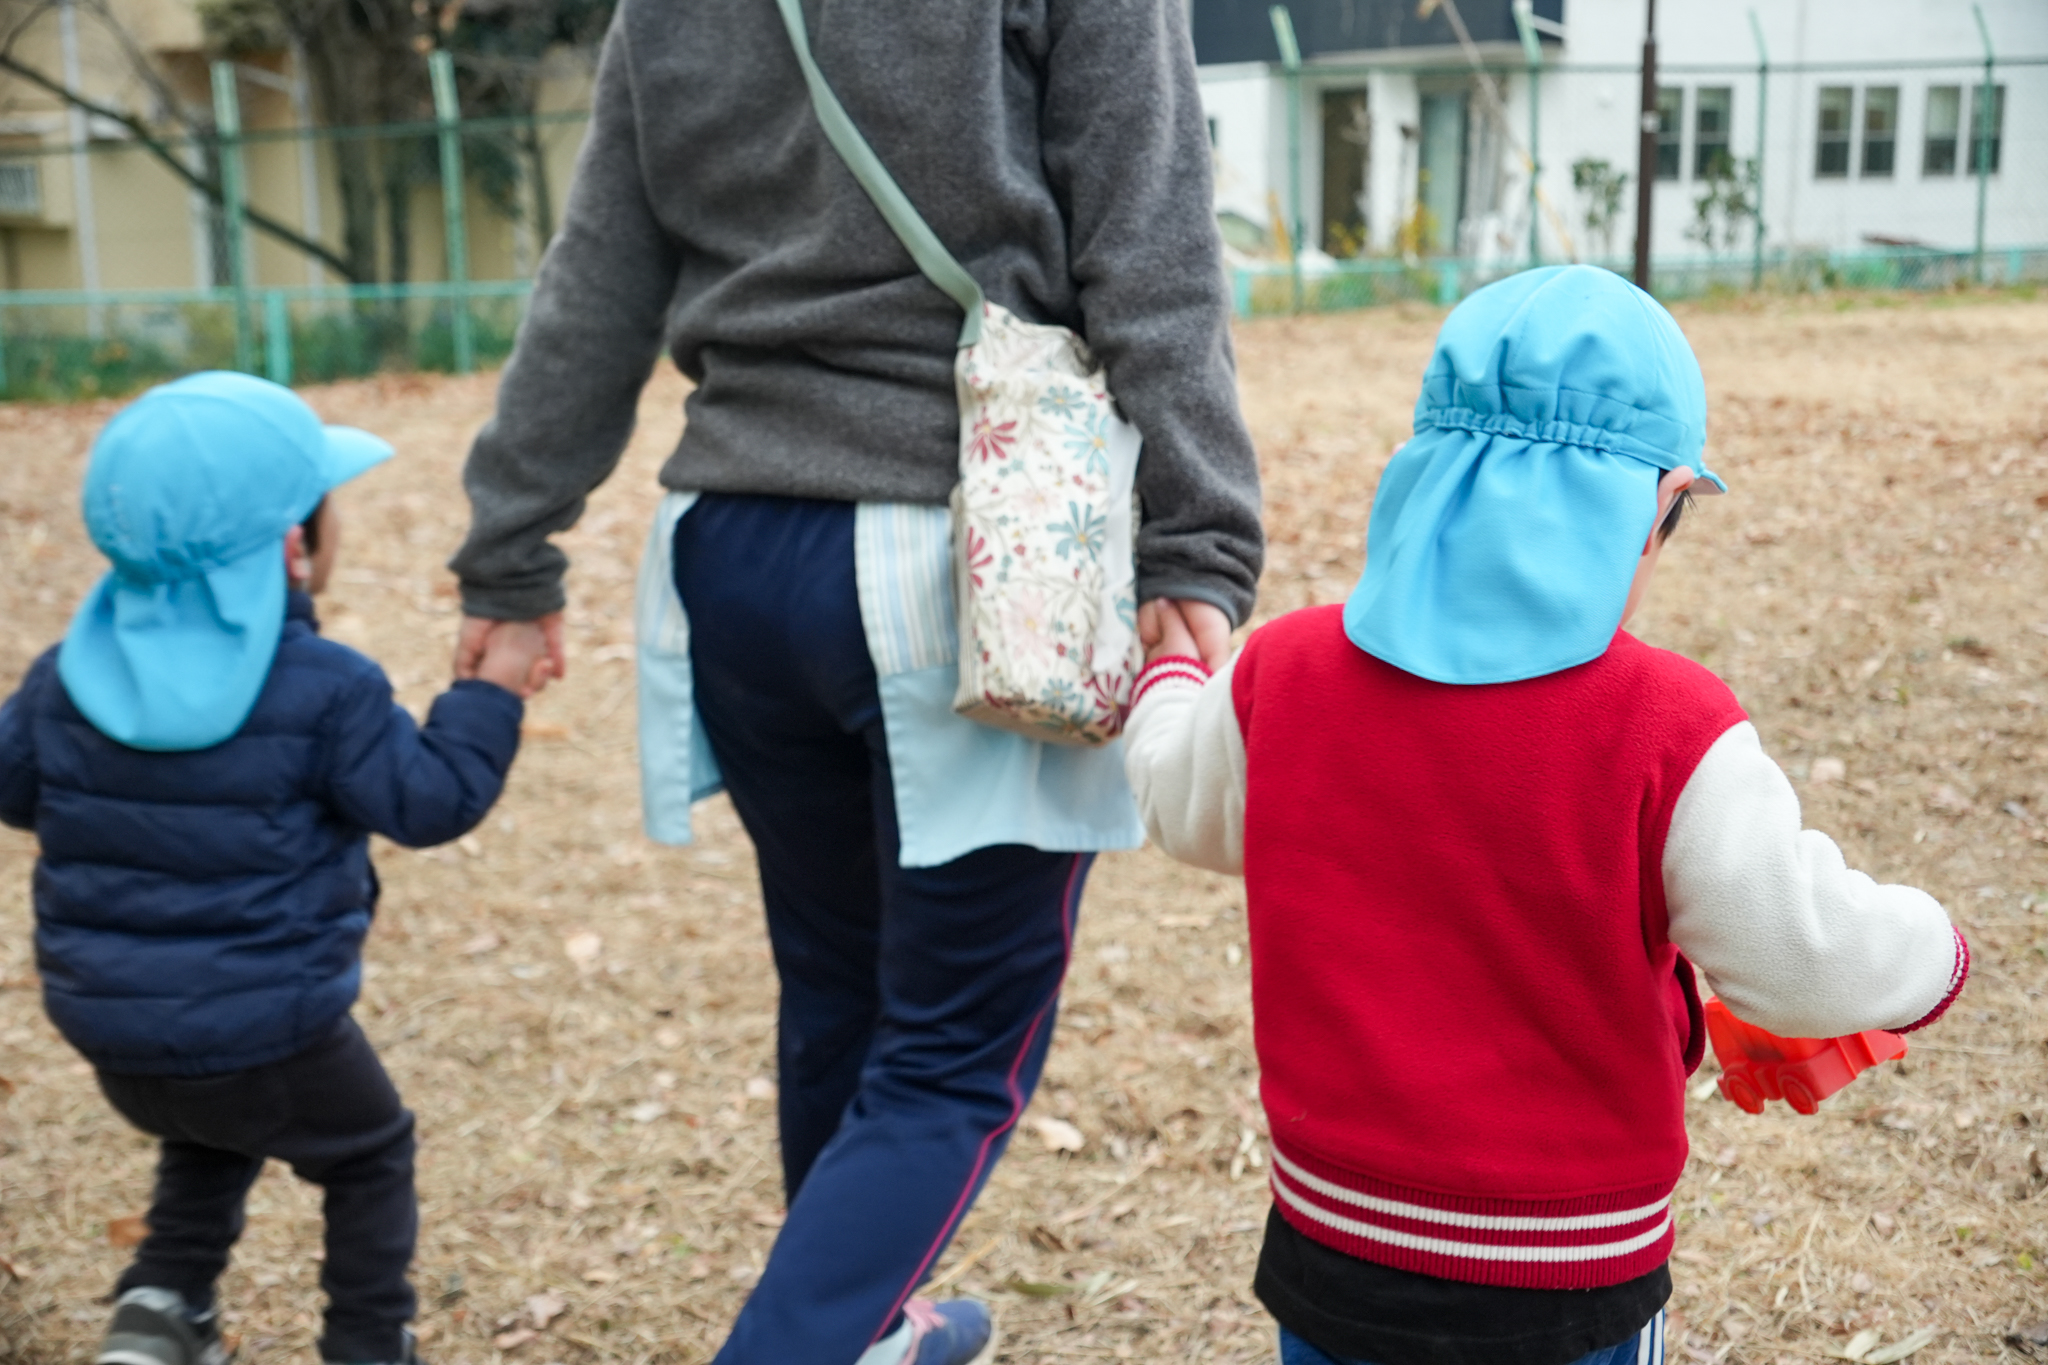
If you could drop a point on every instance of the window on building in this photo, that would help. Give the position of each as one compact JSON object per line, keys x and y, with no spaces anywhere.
{"x":1347,"y":151}
{"x":1944,"y":121}
{"x":1710,"y":109}
{"x":1831,"y":151}
{"x":21,"y":189}
{"x":1880,"y":129}
{"x":1985,"y":135}
{"x":1670,"y":131}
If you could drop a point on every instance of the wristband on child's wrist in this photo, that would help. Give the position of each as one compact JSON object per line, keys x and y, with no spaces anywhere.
{"x":1169,"y":668}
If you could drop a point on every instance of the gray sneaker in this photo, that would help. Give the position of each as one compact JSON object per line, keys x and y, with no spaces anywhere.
{"x":154,"y":1327}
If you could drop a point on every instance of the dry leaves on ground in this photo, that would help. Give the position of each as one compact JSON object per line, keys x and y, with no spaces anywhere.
{"x":1871,"y":589}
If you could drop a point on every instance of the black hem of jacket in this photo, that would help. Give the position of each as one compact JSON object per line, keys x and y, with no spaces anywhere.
{"x":1358,"y":1311}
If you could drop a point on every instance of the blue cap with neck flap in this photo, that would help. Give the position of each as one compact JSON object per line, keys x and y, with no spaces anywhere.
{"x":1506,"y":532}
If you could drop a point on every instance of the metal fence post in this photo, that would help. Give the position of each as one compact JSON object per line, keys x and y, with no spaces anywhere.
{"x":227,"y":119}
{"x":1763,"y":90}
{"x":1532,"y":53}
{"x":448,"y":113}
{"x":1290,"y":59}
{"x":1984,"y":112}
{"x":277,"y":338}
{"x":1646,"y":151}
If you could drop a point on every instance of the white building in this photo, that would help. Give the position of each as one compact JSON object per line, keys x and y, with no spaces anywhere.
{"x":1387,"y":139}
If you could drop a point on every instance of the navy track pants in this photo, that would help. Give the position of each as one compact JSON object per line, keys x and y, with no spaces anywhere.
{"x":917,"y":1003}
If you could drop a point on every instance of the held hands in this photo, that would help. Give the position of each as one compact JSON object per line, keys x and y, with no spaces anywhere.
{"x":1185,"y":626}
{"x":519,"y":656}
{"x":524,"y":656}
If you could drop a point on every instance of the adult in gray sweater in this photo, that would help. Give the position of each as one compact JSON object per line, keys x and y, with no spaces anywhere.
{"x":1058,"y":148}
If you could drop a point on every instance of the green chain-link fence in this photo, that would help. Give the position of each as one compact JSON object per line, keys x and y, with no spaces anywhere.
{"x":1916,"y":175}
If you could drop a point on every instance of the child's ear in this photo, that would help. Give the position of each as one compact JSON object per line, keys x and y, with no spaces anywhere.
{"x":298,"y":565}
{"x":1673,"y":483}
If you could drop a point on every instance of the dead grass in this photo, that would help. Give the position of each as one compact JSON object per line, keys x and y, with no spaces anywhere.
{"x":598,"y":1124}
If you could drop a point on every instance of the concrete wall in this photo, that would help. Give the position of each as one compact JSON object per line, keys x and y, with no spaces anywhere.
{"x":1590,"y":112}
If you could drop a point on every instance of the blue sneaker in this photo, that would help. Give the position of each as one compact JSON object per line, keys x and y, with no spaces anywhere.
{"x":956,"y":1332}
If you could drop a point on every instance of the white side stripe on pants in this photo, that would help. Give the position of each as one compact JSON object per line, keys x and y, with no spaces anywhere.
{"x":1650,"y":1341}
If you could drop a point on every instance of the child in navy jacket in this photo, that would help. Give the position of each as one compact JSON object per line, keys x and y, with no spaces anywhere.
{"x":203,"y":772}
{"x":1482,"y":831}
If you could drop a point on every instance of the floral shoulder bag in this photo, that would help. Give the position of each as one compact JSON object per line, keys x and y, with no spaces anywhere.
{"x":1044,"y":515}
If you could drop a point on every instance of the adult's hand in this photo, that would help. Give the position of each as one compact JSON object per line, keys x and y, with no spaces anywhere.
{"x":475,"y":635}
{"x":1205,"y":621}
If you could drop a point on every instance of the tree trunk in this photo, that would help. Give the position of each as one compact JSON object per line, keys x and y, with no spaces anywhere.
{"x":367,"y":71}
{"x":543,"y":196}
{"x":400,"y":164}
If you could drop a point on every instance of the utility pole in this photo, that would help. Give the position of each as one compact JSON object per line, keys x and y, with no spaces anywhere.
{"x":1763,"y":91}
{"x":1646,"y":151}
{"x":1290,"y":60}
{"x":227,"y":122}
{"x":1986,"y":93}
{"x":84,"y":225}
{"x":1532,"y":54}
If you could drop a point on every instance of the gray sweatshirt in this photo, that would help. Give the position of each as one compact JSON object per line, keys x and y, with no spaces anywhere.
{"x":1057,"y":147}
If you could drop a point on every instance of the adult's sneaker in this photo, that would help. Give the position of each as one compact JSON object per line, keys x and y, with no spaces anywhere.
{"x":956,"y":1332}
{"x":156,"y":1327}
{"x":408,"y":1354}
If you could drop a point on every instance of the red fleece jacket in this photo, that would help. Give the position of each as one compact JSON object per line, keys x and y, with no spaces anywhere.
{"x":1473,"y":1029}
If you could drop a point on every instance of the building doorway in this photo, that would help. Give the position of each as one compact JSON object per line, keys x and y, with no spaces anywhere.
{"x":1440,"y":171}
{"x":1347,"y":155}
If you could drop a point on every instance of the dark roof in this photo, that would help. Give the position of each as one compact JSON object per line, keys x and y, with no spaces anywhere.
{"x":1242,"y":30}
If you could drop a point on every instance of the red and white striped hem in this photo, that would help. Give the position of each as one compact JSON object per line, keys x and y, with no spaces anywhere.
{"x":1582,"y":1243}
{"x":1169,"y":668}
{"x":1958,"y":974}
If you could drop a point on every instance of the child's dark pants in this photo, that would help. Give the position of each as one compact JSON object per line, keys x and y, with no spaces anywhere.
{"x":331,"y":1114}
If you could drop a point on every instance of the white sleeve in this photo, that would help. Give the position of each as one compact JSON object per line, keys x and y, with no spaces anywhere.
{"x":1184,"y":756}
{"x":1791,"y":938}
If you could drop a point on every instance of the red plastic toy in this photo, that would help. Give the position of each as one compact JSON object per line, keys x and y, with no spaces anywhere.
{"x":1758,"y":1066}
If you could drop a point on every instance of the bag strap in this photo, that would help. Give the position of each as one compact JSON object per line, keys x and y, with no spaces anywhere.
{"x":917,"y":237}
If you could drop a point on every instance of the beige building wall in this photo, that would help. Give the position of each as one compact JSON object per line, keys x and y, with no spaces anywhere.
{"x":151,"y":231}
{"x":145,"y":241}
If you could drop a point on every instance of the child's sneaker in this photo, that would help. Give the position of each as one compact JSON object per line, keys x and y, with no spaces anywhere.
{"x":408,"y":1355}
{"x":956,"y":1332}
{"x":154,"y":1327}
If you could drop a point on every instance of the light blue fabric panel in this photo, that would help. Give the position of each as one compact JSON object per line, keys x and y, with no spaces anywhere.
{"x":903,"y":566}
{"x":676,"y":764}
{"x":961,"y":785}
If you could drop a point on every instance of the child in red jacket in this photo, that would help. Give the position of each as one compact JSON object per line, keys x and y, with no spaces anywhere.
{"x":1482,"y":830}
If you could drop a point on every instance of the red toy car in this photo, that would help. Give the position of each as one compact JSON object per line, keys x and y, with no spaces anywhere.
{"x":1758,"y":1066}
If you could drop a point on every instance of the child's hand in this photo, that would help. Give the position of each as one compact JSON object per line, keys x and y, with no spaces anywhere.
{"x":1164,"y":631}
{"x":516,"y":658}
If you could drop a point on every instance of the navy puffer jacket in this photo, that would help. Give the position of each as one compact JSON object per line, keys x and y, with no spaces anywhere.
{"x":204,"y":912}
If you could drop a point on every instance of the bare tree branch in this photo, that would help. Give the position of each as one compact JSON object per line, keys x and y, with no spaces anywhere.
{"x":150,"y":143}
{"x":35,"y":12}
{"x":139,"y":64}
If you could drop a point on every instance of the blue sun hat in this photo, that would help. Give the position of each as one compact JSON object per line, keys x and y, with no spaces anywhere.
{"x":1505,"y":534}
{"x":190,"y":491}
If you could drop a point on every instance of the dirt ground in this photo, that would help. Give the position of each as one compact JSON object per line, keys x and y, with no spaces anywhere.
{"x":583,"y":1020}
